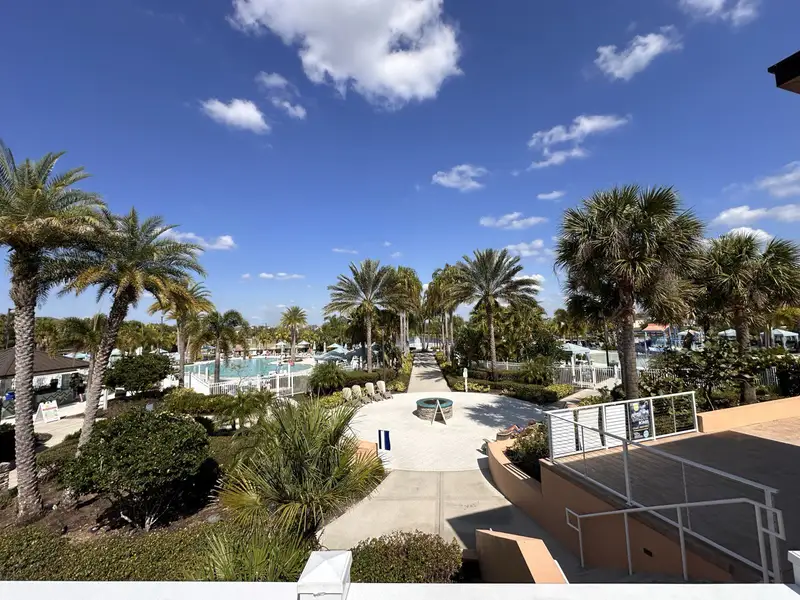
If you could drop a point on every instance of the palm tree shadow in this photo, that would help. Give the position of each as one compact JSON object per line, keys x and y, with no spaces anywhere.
{"x":502,"y":413}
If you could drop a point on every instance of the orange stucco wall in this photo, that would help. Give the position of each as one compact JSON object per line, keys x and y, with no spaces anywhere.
{"x":750,"y":414}
{"x":603,"y":537}
{"x":508,"y":558}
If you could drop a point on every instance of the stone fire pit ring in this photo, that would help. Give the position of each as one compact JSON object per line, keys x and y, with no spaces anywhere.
{"x":426,"y":408}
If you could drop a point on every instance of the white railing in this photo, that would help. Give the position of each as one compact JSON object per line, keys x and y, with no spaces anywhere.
{"x":602,"y":444}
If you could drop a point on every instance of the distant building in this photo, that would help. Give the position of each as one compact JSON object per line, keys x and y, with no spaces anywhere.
{"x":46,"y":370}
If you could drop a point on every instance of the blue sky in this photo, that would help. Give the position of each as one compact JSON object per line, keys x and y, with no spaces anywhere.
{"x":294,"y":137}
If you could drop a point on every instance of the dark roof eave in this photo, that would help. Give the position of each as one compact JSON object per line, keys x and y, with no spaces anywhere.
{"x":787,"y":73}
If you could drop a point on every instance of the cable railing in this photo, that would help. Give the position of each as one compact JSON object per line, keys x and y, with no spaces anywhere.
{"x":603,"y":444}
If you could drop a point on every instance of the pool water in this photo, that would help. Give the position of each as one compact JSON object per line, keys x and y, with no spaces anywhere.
{"x":245,"y":367}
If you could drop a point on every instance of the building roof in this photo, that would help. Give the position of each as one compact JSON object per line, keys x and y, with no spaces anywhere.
{"x":655,"y":328}
{"x":43,"y":363}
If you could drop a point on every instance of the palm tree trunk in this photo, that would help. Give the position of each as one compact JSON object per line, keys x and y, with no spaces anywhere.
{"x":180,"y":342}
{"x":492,"y":345}
{"x":443,"y":333}
{"x":24,"y":292}
{"x":294,"y":341}
{"x":627,"y":348}
{"x":452,"y":337}
{"x":217,"y":361}
{"x":368,"y":320}
{"x":748,"y":392}
{"x":116,"y":316}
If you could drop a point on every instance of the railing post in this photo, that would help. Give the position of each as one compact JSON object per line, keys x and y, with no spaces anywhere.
{"x":773,"y":543}
{"x":628,"y":544}
{"x":625,"y":457}
{"x":762,"y":549}
{"x":686,"y":496}
{"x":652,"y":418}
{"x":594,"y":377}
{"x":683,"y":545}
{"x":694,"y":410}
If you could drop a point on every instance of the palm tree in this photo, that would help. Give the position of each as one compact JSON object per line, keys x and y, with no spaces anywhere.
{"x":371,"y":287}
{"x":631,"y":246}
{"x":130,"y":257}
{"x":748,"y":281}
{"x":293,"y":318}
{"x":83,"y":335}
{"x":491,"y":277}
{"x":446,"y":282}
{"x":40,"y":212}
{"x":46,"y":333}
{"x":407,"y":299}
{"x":223,"y":331}
{"x":304,"y":466}
{"x":182,"y":303}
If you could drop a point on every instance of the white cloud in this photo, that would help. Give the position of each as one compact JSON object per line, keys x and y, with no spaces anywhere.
{"x":736,"y":12}
{"x":280,"y":306}
{"x":344,"y":251}
{"x":280,"y":276}
{"x":554,"y":195}
{"x":238,"y":114}
{"x":761,"y":235}
{"x":526,"y":250}
{"x":783,"y":185}
{"x":741,"y":215}
{"x":390,"y":51}
{"x":272,"y":81}
{"x":387,"y":244}
{"x":255,"y":318}
{"x":559,"y":157}
{"x":640,"y":52}
{"x":222,"y":242}
{"x":513,"y":220}
{"x":581,"y":127}
{"x":295,"y":111}
{"x":246,"y":276}
{"x":396,"y":254}
{"x":425,"y":287}
{"x":462,"y":177}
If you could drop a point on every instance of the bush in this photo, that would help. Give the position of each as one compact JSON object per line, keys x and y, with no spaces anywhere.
{"x":528,"y":392}
{"x":138,"y":373}
{"x":326,"y":378}
{"x":144,"y":462}
{"x":188,"y":402}
{"x":531,"y":445}
{"x":404,"y":557}
{"x":397,"y":385}
{"x":333,"y":400}
{"x":53,"y":459}
{"x":208,"y":424}
{"x":538,"y":371}
{"x":119,"y":406}
{"x":360,"y":378}
{"x":561,"y":390}
{"x":34,"y":553}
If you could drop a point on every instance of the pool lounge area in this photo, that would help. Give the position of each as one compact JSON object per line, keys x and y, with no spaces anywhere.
{"x":246,"y":367}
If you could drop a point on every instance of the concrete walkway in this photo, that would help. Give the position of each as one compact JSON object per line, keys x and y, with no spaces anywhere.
{"x":426,"y":376}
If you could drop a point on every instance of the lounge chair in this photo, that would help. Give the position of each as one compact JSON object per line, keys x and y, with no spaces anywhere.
{"x":382,"y":390}
{"x":347,"y":394}
{"x":371,"y":393}
{"x":358,"y":396}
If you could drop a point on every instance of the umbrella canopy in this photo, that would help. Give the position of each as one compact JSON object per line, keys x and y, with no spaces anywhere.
{"x":728,"y":333}
{"x":574,"y":348}
{"x":335,"y":346}
{"x":784,"y":333}
{"x":688,"y":331}
{"x":303,"y":343}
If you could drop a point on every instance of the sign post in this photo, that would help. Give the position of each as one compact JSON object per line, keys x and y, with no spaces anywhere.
{"x":465,"y":380}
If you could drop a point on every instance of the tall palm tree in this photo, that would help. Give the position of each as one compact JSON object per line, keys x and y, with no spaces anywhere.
{"x":182,"y":303}
{"x":46,"y":333}
{"x":748,"y":281}
{"x":370,"y":287}
{"x":40,"y":212}
{"x":407,"y":299}
{"x":129,"y":257}
{"x":491,"y":277}
{"x":223,"y":331}
{"x":631,"y":246}
{"x":293,"y":318}
{"x":83,"y":335}
{"x":446,"y":280}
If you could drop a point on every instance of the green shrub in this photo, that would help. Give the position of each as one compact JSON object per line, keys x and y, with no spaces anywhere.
{"x":531,"y":445}
{"x":360,"y":378}
{"x":208,"y":424}
{"x":538,"y":371}
{"x":144,"y":462}
{"x":224,"y":449}
{"x":34,"y":553}
{"x":404,"y":557}
{"x":138,"y":373}
{"x":119,"y":406}
{"x":53,"y":459}
{"x":333,"y":400}
{"x":458,"y":386}
{"x":243,"y":408}
{"x":528,"y":392}
{"x":562,"y":390}
{"x":591,"y":400}
{"x":188,"y":402}
{"x":398,"y":385}
{"x":326,"y":378}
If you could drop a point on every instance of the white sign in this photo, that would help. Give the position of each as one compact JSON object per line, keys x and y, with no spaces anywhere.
{"x":47,"y":413}
{"x":465,"y":372}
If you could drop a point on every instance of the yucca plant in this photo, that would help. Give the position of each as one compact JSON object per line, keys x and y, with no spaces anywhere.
{"x":303,"y":466}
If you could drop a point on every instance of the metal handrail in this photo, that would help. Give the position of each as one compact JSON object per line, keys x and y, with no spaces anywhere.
{"x":758,"y":507}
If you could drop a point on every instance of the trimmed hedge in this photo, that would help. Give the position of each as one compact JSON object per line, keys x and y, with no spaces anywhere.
{"x":403,"y":557}
{"x":34,"y":553}
{"x":562,"y":390}
{"x":188,"y":402}
{"x":363,"y":377}
{"x":523,"y":391}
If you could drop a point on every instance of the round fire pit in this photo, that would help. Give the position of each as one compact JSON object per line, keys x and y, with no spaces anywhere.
{"x":426,"y":408}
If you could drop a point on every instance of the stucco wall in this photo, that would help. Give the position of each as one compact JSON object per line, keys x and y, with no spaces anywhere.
{"x":750,"y":414}
{"x":508,"y":558}
{"x":603,"y":537}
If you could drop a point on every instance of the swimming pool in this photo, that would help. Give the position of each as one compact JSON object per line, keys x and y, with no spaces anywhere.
{"x":245,"y":367}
